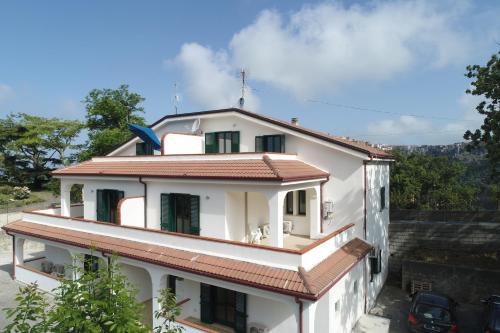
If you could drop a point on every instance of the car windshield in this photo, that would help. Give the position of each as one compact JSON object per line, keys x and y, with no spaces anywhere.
{"x":433,"y":312}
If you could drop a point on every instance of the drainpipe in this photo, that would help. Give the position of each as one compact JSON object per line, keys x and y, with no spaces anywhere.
{"x":321,"y":203}
{"x":145,"y":202}
{"x":301,"y":308}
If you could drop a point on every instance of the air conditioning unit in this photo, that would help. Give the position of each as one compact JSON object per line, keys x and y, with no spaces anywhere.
{"x":258,"y":328}
{"x":328,"y":210}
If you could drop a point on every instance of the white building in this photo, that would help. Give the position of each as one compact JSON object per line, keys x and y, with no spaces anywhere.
{"x":252,"y":221}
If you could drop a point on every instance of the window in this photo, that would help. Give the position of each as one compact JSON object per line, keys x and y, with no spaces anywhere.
{"x":223,"y":306}
{"x":382,"y":198}
{"x":107,"y":204}
{"x":289,"y":203}
{"x":171,"y":283}
{"x":144,"y":148}
{"x":270,"y":143}
{"x":302,"y":202}
{"x":180,"y":213}
{"x":355,"y":287}
{"x":337,"y":306}
{"x":222,"y":142}
{"x":90,"y":263}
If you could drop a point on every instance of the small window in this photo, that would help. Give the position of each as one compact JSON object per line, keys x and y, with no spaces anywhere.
{"x":302,"y":202}
{"x":337,"y":306}
{"x":289,"y":203}
{"x":270,"y":143}
{"x":144,"y":148}
{"x":90,"y":263}
{"x":355,"y":287}
{"x":382,"y":198}
{"x":171,"y":283}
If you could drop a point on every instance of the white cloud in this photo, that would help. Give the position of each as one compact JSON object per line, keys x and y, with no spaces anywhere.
{"x":6,"y":92}
{"x":211,"y":81}
{"x":321,"y":48}
{"x":413,"y":130}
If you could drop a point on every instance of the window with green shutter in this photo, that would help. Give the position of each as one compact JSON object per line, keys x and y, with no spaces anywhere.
{"x":144,"y":148}
{"x":180,"y":213}
{"x":270,"y":143}
{"x":107,"y":205}
{"x":222,"y":142}
{"x":223,"y":306}
{"x":207,"y":293}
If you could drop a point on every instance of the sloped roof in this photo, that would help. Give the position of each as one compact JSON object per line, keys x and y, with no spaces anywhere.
{"x":309,"y":285}
{"x":359,"y":146}
{"x":262,"y":169}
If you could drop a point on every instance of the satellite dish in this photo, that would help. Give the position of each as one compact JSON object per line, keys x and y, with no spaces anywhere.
{"x":196,"y":125}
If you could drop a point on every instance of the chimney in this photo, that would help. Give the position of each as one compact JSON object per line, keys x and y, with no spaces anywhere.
{"x":295,"y":121}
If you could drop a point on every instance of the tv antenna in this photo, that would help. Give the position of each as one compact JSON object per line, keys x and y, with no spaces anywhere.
{"x":176,"y":99}
{"x":243,"y":87}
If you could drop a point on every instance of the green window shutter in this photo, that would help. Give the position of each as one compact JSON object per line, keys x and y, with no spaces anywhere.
{"x":240,"y":313}
{"x":211,"y":143}
{"x":207,"y":303}
{"x":235,"y":142}
{"x":101,"y":207}
{"x":139,"y":148}
{"x":259,"y":144}
{"x":167,"y":214}
{"x":195,"y":215}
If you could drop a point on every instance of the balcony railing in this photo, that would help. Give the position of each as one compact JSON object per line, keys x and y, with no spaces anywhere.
{"x":307,"y":257}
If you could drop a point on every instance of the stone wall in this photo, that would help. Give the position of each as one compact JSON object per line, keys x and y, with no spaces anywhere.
{"x":463,"y":284}
{"x":460,"y":258}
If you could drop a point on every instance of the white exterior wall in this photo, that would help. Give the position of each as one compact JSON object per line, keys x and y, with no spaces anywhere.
{"x":131,"y":187}
{"x":351,"y":304}
{"x":175,"y":143}
{"x":345,"y":187}
{"x":377,"y":222}
{"x":132,"y":212}
{"x":140,"y":279}
{"x":235,"y":216}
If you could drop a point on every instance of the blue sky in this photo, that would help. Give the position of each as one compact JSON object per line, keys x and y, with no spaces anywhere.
{"x":402,"y":58}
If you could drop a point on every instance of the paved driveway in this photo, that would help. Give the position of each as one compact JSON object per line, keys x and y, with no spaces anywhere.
{"x":393,"y":305}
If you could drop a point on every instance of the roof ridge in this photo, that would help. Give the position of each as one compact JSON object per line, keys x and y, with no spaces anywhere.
{"x":304,"y":276}
{"x":271,"y":166}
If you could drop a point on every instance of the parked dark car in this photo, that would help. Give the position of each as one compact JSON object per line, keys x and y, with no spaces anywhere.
{"x":491,"y":314}
{"x":432,"y":312}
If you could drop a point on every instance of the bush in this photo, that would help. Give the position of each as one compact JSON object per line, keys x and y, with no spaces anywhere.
{"x":5,"y":189}
{"x":21,"y":193}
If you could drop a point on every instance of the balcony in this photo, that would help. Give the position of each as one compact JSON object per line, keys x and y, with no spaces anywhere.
{"x":307,"y":257}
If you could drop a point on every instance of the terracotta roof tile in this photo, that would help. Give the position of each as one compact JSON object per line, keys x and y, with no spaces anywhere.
{"x":290,"y":282}
{"x":245,"y":169}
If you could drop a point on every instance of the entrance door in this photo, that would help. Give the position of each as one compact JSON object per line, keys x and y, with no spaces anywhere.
{"x":223,"y":306}
{"x":183,"y":213}
{"x":107,"y":203}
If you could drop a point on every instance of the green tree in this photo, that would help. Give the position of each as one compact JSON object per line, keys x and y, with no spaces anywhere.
{"x":34,"y":145}
{"x":486,"y":83}
{"x":101,"y":301}
{"x":30,"y":314}
{"x":108,"y":112}
{"x":419,"y":181}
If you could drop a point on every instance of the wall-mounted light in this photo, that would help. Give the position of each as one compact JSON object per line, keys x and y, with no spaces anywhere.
{"x":207,"y":197}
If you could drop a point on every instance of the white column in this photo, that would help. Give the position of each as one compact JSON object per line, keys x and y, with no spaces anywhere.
{"x":275,"y":201}
{"x":308,"y":316}
{"x":156,"y":286}
{"x":65,"y":198}
{"x":77,"y":261}
{"x":316,"y":217}
{"x":19,"y":247}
